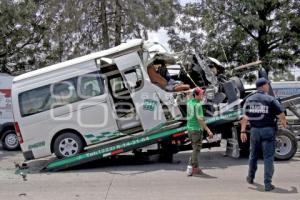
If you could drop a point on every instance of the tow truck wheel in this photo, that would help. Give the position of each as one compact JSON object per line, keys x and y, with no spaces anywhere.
{"x":67,"y":144}
{"x":286,"y":145}
{"x":10,"y":141}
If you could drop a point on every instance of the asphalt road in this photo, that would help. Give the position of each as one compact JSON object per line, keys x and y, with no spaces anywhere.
{"x":128,"y":178}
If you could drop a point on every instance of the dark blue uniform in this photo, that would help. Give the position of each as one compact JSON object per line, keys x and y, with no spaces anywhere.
{"x":261,"y":110}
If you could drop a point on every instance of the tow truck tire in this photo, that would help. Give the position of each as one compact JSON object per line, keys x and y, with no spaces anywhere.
{"x":67,"y":144}
{"x":286,"y":145}
{"x":10,"y":141}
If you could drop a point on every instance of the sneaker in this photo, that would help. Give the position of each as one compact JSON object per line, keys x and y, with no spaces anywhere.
{"x":249,"y":180}
{"x":189,"y":170}
{"x":269,"y":187}
{"x":197,"y":171}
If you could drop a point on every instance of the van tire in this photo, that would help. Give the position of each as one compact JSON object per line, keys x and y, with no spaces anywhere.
{"x":67,"y":144}
{"x":286,"y":145}
{"x":10,"y":141}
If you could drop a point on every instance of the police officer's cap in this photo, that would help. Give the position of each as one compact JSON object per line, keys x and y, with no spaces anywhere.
{"x":261,"y":81}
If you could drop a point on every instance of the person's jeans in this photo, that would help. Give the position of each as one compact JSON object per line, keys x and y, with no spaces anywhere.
{"x":264,"y":139}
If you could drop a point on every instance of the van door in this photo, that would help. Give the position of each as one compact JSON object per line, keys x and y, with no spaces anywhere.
{"x":144,"y":97}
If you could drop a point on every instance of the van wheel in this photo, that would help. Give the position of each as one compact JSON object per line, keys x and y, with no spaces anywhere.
{"x":286,"y":145}
{"x":10,"y":141}
{"x":67,"y":144}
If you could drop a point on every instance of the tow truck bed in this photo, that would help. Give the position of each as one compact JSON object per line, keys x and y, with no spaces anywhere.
{"x":117,"y":147}
{"x":164,"y":132}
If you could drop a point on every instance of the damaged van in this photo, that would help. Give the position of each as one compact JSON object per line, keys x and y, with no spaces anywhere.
{"x":66,"y":107}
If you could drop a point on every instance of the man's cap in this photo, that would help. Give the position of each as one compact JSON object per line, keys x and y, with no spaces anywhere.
{"x":261,"y":81}
{"x":198,"y":90}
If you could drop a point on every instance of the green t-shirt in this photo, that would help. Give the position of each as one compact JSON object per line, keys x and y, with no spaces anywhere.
{"x":194,"y":110}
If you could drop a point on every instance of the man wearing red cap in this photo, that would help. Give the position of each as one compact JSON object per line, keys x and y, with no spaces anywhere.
{"x":195,"y":127}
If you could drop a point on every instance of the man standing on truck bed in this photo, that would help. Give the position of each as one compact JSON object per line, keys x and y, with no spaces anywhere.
{"x":195,"y":127}
{"x":261,"y":110}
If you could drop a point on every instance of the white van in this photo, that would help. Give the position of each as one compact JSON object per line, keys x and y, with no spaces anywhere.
{"x":66,"y":107}
{"x":8,"y":135}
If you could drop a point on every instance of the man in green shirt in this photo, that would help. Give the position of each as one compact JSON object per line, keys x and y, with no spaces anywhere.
{"x":195,"y":127}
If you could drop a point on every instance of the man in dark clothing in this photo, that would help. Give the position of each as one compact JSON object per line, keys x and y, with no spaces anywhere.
{"x":261,"y":110}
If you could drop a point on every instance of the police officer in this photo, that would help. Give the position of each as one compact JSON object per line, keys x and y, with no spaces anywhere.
{"x":261,"y":110}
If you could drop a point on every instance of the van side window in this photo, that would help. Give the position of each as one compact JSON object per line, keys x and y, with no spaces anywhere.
{"x":117,"y":84}
{"x":47,"y":97}
{"x":60,"y":93}
{"x":34,"y":101}
{"x":63,"y":93}
{"x":89,"y":85}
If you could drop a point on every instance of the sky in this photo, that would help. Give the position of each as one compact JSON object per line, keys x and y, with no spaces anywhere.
{"x":159,"y":36}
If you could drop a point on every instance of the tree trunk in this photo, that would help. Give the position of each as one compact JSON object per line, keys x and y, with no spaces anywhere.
{"x":60,"y":44}
{"x":145,"y":33}
{"x":118,"y":27}
{"x":263,"y":47}
{"x":3,"y":68}
{"x":105,"y":37}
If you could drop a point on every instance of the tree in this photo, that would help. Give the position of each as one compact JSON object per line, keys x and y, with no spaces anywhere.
{"x":139,"y":17}
{"x":22,"y":29}
{"x":283,"y":76}
{"x":104,"y":25}
{"x":246,"y":30}
{"x":39,"y":33}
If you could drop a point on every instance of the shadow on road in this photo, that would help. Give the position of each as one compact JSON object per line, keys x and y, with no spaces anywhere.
{"x":138,"y":165}
{"x":208,"y":160}
{"x":205,"y":176}
{"x":141,"y":164}
{"x":4,"y":154}
{"x":261,"y":188}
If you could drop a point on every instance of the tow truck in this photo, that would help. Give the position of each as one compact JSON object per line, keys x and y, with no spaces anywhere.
{"x":224,"y":100}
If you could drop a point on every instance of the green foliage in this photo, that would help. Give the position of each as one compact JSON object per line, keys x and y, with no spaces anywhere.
{"x":35,"y":34}
{"x":283,"y":76}
{"x":21,"y":31}
{"x":246,"y":30}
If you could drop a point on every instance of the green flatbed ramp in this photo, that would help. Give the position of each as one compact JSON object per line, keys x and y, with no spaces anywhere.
{"x":115,"y":148}
{"x":134,"y":142}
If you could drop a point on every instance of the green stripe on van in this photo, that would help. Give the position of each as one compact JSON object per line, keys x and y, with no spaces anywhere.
{"x":102,"y":136}
{"x":95,"y":141}
{"x":88,"y":136}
